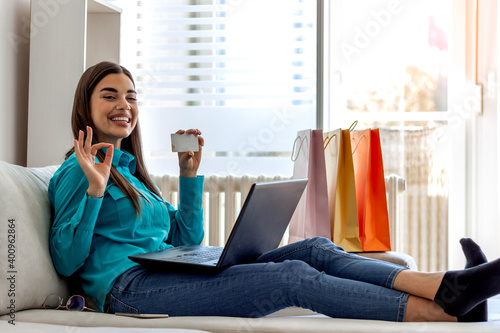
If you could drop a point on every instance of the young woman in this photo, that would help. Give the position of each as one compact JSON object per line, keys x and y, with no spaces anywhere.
{"x":106,"y":208}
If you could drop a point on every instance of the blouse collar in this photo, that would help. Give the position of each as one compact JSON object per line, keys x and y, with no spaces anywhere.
{"x":122,"y":158}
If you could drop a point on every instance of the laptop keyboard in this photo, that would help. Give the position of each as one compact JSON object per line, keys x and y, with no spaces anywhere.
{"x":200,"y":256}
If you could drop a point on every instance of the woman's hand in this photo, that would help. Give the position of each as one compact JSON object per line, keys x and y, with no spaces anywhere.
{"x":97,"y":173}
{"x":189,"y":161}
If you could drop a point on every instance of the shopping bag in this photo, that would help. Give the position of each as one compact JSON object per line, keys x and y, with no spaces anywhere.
{"x":370,"y":190}
{"x":311,"y":217}
{"x":341,"y":190}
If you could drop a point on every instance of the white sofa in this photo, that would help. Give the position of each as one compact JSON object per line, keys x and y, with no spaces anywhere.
{"x":27,"y":276}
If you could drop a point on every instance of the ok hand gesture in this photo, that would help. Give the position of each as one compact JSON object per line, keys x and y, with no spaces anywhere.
{"x":97,"y":173}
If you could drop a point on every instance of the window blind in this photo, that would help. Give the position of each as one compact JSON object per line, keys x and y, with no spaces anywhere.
{"x":243,"y":72}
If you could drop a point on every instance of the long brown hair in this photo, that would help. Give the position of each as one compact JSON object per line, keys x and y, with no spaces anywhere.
{"x":80,"y":119}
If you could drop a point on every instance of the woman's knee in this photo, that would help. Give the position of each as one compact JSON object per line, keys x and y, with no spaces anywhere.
{"x":323,"y":242}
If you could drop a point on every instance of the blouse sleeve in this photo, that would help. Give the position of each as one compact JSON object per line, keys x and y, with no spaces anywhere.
{"x":75,"y":216}
{"x":187,"y":222}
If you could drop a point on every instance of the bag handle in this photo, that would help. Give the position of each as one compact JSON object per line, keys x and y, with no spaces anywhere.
{"x":359,"y":141}
{"x":353,"y":126}
{"x":295,"y":145}
{"x":329,"y":138}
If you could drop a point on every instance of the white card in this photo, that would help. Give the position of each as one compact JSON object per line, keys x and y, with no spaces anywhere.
{"x":184,"y":142}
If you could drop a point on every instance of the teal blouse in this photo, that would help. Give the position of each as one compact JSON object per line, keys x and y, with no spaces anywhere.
{"x":94,"y":237}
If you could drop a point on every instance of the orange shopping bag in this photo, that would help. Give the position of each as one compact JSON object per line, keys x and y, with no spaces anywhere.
{"x":342,"y":190}
{"x":311,"y":217}
{"x":370,"y":190}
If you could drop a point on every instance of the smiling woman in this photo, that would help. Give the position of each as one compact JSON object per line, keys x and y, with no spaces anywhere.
{"x":113,"y":108}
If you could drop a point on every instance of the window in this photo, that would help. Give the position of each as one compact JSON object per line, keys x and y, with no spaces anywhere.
{"x":390,"y":67}
{"x":391,"y":58}
{"x":208,"y":64}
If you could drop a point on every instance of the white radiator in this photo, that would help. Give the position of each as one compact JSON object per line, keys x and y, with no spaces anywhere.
{"x":394,"y":185}
{"x":224,"y":196}
{"x":423,"y":208}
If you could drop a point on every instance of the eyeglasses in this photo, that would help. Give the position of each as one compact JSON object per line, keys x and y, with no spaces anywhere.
{"x":74,"y":303}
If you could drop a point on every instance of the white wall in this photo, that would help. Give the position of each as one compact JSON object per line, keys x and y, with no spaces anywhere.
{"x":57,"y":60}
{"x":67,"y":37}
{"x":14,"y":64}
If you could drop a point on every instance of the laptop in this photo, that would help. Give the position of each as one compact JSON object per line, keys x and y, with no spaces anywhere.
{"x":259,"y":228}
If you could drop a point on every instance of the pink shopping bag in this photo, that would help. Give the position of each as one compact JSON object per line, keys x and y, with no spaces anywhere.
{"x":311,"y":217}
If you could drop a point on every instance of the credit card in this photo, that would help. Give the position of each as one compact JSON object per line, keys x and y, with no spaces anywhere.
{"x":184,"y":142}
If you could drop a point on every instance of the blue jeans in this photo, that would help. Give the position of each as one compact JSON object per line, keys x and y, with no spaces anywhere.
{"x":314,"y":274}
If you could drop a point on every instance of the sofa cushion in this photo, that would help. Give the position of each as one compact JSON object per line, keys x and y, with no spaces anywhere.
{"x":397,"y":258}
{"x":28,"y":274}
{"x":275,"y":324}
{"x":48,"y":328}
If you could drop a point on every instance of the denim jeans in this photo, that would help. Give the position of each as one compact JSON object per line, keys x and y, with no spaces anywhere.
{"x":314,"y":274}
